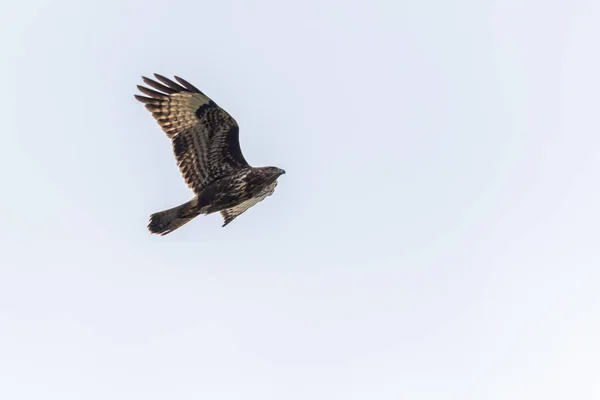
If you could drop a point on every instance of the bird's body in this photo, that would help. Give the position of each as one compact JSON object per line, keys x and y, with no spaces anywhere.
{"x":205,"y":141}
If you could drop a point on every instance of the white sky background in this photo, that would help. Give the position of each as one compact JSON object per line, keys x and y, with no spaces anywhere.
{"x":435,"y":237}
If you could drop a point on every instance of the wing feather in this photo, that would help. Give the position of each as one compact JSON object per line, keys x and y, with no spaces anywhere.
{"x":232,"y":213}
{"x":187,"y":85}
{"x":205,"y":138}
{"x":158,"y":86}
{"x":175,"y":86}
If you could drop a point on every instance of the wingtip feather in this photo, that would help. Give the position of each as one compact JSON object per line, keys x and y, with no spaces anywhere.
{"x":142,"y":99}
{"x":173,"y":85}
{"x":187,"y":85}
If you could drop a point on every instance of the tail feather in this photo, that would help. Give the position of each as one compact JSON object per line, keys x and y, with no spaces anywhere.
{"x":165,"y":222}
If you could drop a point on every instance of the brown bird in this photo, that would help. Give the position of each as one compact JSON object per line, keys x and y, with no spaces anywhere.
{"x":206,"y":145}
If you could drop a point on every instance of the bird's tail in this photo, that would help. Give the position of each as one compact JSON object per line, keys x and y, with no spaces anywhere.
{"x":165,"y":222}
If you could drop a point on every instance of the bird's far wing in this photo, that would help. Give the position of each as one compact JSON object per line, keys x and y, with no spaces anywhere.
{"x":205,"y":137}
{"x":231,"y":213}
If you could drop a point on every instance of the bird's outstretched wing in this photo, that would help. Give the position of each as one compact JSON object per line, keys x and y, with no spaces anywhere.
{"x":205,"y":137}
{"x":231,"y":213}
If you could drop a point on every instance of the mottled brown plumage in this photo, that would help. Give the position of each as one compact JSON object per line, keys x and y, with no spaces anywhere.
{"x":205,"y":140}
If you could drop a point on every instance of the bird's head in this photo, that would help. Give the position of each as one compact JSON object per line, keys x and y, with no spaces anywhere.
{"x":273,"y":172}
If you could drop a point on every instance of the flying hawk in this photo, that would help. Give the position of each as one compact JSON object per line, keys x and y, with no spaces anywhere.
{"x":205,"y":141}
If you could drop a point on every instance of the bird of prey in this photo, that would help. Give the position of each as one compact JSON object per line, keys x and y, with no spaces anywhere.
{"x":205,"y":140}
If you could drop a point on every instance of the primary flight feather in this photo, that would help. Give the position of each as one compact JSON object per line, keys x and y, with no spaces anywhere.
{"x":205,"y":140}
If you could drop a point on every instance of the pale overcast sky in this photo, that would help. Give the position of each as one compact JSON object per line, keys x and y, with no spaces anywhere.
{"x":436,"y":235}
